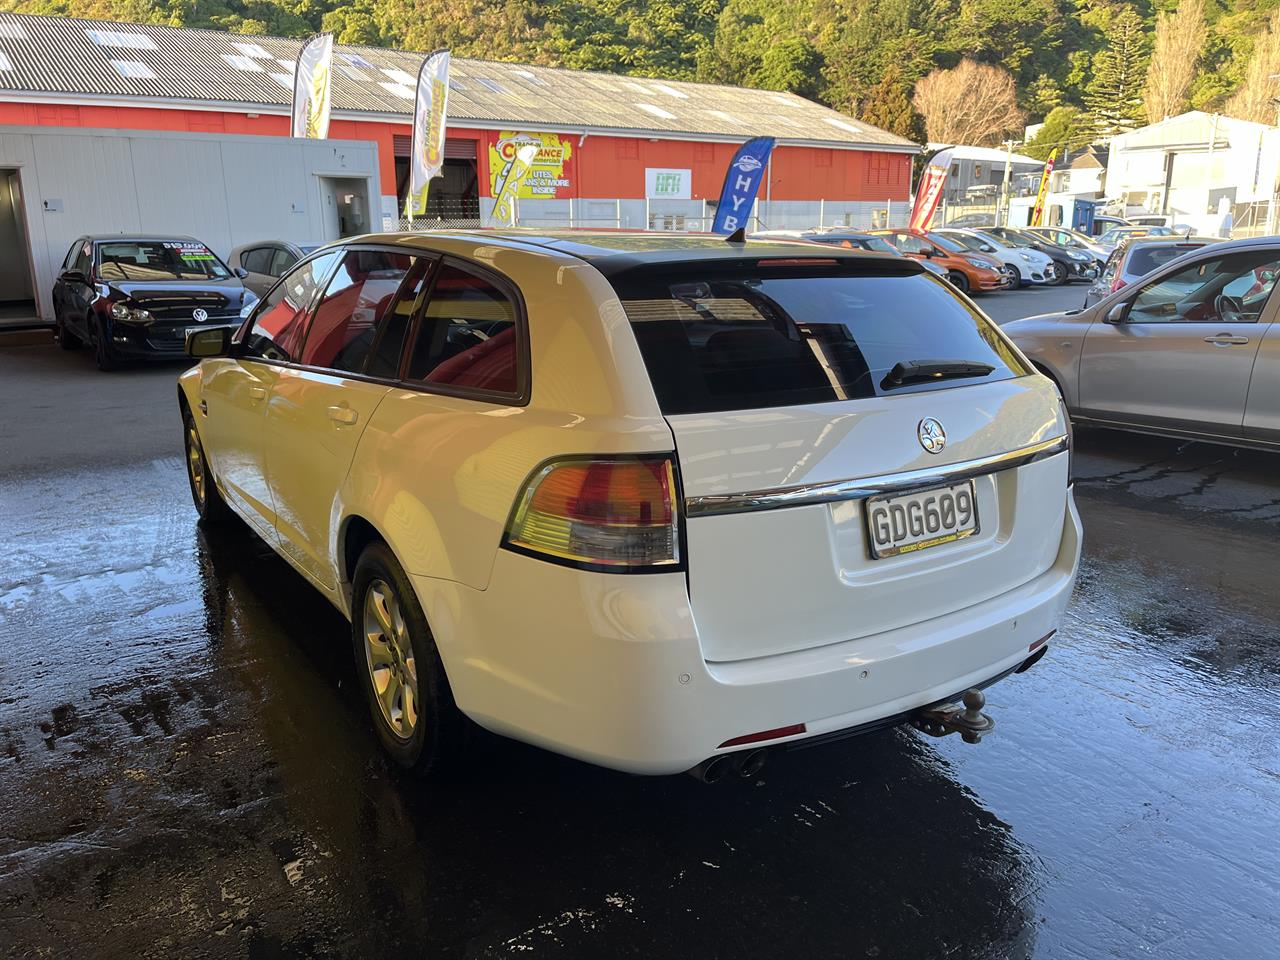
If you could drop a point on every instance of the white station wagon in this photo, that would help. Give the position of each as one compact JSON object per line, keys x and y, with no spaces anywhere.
{"x":653,"y":502}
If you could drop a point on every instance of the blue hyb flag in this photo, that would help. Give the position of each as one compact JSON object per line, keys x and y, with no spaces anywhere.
{"x":741,"y":184}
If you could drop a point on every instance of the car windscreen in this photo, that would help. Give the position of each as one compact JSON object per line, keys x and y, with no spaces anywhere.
{"x":158,"y":260}
{"x":964,"y":240}
{"x":953,"y":244}
{"x":1147,"y":257}
{"x":745,"y":335}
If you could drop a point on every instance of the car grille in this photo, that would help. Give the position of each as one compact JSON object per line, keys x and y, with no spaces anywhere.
{"x":181,"y":306}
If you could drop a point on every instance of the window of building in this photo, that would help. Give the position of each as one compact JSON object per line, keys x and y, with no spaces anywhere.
{"x":121,"y":38}
{"x":628,"y":149}
{"x":704,"y":153}
{"x":133,"y":69}
{"x":357,"y":61}
{"x":399,"y":76}
{"x":5,"y":62}
{"x":821,"y":158}
{"x":279,"y":321}
{"x":490,"y":85}
{"x":469,"y":338}
{"x":252,"y":50}
{"x":879,"y":170}
{"x":247,"y":64}
{"x":365,"y":313}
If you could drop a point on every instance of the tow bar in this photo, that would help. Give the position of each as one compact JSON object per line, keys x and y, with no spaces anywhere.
{"x":969,"y":721}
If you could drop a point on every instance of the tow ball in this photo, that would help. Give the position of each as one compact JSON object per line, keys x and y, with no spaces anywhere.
{"x":969,"y":721}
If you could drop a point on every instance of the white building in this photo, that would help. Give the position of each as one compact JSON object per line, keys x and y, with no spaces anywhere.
{"x":1195,"y":167}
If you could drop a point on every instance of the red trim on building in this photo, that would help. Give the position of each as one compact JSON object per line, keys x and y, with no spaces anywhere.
{"x":604,"y":167}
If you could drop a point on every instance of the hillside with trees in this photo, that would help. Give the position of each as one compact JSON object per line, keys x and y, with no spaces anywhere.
{"x":972,"y":70}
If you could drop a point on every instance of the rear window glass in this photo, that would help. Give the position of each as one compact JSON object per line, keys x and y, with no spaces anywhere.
{"x":1144,"y":259}
{"x":744,"y":336}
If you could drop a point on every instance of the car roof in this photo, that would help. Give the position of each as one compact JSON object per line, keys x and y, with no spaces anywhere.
{"x":612,"y":251}
{"x":140,"y":237}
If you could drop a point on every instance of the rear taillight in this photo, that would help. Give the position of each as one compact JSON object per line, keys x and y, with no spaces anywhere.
{"x":612,"y":513}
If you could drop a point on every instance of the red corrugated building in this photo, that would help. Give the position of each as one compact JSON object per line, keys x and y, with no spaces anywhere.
{"x":614,"y":150}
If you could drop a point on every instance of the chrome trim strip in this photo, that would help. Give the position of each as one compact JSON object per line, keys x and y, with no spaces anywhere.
{"x":804,"y":495}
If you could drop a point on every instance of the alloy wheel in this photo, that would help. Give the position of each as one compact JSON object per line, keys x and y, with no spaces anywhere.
{"x":195,"y":465}
{"x":389,"y":656}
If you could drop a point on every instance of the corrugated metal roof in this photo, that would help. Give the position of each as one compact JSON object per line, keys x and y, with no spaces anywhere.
{"x":58,"y":55}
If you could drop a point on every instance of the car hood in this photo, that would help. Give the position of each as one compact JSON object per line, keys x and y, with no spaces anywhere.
{"x":179,"y":297}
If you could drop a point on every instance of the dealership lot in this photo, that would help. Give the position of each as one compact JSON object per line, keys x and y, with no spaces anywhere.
{"x":187,"y":765}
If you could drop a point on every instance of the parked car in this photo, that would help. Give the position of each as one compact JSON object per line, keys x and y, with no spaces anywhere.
{"x":1103,"y":223}
{"x":1159,"y":220}
{"x":653,"y":502}
{"x":1191,"y":350}
{"x":1031,"y":266}
{"x":266,"y":261}
{"x":1072,"y":240}
{"x":1111,"y":238}
{"x":967,"y":270}
{"x":1138,"y":256}
{"x":851,"y":239}
{"x":135,"y":297}
{"x":1070,"y":265}
{"x":978,"y":221}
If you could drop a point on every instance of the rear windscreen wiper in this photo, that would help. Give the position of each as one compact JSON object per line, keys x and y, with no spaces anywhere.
{"x":907,"y":372}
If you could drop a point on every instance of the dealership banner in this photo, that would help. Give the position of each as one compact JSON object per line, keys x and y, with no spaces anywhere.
{"x":929,"y":190}
{"x":312,"y":81}
{"x":550,"y":175}
{"x":429,"y":112}
{"x":741,"y":184}
{"x":504,"y":210}
{"x":1037,"y":215}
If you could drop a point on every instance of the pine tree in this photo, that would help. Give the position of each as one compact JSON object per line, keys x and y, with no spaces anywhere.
{"x":888,"y":107}
{"x":1113,"y":98}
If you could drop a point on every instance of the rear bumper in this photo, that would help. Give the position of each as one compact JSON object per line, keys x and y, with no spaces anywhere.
{"x":608,"y":669}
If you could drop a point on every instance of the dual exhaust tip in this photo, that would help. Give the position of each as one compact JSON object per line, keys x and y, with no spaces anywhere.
{"x":745,"y":763}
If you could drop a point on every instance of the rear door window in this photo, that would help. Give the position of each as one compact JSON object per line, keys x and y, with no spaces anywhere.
{"x":748,"y":335}
{"x":257,"y":260}
{"x":469,"y":337}
{"x":365,"y":313}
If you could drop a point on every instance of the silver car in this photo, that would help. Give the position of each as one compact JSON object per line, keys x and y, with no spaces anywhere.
{"x":1191,"y":350}
{"x":265,"y":261}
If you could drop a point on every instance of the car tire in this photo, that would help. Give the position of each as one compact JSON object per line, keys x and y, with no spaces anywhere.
{"x":102,"y":354}
{"x":414,"y":714}
{"x":959,"y":281}
{"x":66,"y":339}
{"x":213,"y":510}
{"x":1061,"y":272}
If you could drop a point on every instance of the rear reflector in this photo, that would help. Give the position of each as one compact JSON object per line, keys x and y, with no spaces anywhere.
{"x":777,"y":734}
{"x":611,"y":513}
{"x":1041,"y":642}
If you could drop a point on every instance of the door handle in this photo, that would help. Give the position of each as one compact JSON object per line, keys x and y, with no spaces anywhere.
{"x":257,"y":393}
{"x":343,"y":414}
{"x":204,"y":407}
{"x":1225,"y":340}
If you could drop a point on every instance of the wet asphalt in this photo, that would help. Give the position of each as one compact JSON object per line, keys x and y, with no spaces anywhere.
{"x":187,"y":770}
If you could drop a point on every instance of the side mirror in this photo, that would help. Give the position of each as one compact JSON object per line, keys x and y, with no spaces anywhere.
{"x":1117,"y":313}
{"x":928,"y":252}
{"x":215,"y":342}
{"x":240,"y":272}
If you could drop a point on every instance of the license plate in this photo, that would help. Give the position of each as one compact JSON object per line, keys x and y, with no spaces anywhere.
{"x":909,"y":522}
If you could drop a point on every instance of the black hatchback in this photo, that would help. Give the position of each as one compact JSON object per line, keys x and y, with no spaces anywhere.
{"x":135,"y":297}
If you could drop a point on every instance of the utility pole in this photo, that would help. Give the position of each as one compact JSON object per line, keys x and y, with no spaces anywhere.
{"x":1003,"y":205}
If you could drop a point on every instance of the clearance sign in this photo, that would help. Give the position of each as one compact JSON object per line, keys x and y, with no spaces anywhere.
{"x":551,"y":174}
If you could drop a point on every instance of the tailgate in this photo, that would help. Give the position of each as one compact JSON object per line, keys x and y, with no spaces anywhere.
{"x":778,"y":541}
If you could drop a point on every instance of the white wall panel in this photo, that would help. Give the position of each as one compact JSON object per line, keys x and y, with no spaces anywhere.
{"x":224,"y":190}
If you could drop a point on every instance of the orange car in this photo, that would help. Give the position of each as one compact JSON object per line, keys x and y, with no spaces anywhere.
{"x":966,"y":269}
